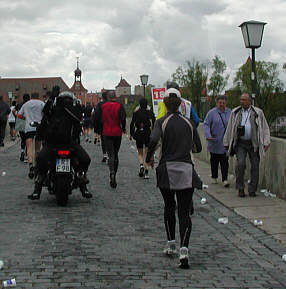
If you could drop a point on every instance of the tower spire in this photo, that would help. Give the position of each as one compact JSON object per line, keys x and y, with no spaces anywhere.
{"x":77,"y":61}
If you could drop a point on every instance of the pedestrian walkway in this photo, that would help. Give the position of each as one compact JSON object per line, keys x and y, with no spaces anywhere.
{"x":116,"y":239}
{"x":271,"y":211}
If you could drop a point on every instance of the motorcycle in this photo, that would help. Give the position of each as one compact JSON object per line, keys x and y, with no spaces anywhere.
{"x":61,"y":177}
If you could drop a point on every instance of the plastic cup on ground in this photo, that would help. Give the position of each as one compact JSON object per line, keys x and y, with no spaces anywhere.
{"x":205,"y":186}
{"x":284,"y":257}
{"x":9,"y":283}
{"x":3,"y":174}
{"x":203,"y":201}
{"x":223,"y":220}
{"x":257,"y":222}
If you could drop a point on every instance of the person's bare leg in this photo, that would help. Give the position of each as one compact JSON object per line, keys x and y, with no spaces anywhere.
{"x":146,"y":176}
{"x":29,"y":147}
{"x":141,"y":161}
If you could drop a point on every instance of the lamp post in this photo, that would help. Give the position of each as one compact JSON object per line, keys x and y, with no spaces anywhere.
{"x":144,"y":81}
{"x":252,"y":32}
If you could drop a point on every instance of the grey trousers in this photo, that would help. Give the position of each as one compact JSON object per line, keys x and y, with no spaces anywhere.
{"x":242,"y":149}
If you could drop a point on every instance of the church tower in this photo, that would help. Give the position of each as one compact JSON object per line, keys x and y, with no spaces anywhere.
{"x":78,"y":89}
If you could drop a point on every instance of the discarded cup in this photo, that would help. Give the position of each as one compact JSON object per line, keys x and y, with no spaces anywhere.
{"x":3,"y":174}
{"x":1,"y":264}
{"x":223,"y":220}
{"x":257,"y":222}
{"x":284,"y":257}
{"x":205,"y":186}
{"x":9,"y":283}
{"x":203,"y":201}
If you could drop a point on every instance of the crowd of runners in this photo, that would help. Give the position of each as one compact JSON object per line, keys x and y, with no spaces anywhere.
{"x":171,"y":137}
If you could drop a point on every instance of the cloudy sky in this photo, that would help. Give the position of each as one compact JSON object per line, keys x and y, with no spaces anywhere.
{"x":131,"y":37}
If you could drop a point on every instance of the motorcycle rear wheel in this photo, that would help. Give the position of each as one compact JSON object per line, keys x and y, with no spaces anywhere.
{"x":62,"y":190}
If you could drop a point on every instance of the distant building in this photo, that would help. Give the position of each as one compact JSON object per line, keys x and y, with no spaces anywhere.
{"x":14,"y":88}
{"x":93,"y":98}
{"x":123,"y":88}
{"x":78,"y":89}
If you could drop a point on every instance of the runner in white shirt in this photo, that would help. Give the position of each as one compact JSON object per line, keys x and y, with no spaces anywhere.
{"x":31,"y":111}
{"x":12,"y":121}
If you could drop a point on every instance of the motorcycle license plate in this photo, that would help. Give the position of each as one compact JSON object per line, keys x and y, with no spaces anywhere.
{"x":63,"y":165}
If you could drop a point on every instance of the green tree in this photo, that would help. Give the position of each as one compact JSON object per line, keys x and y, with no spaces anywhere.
{"x":193,"y":77}
{"x":269,"y":86}
{"x":218,"y":80}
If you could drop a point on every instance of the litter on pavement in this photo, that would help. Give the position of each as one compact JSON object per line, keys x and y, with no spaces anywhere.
{"x":223,"y":220}
{"x":257,"y":222}
{"x":203,"y":201}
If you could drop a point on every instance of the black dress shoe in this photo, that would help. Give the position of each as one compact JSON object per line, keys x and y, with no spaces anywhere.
{"x":252,"y":194}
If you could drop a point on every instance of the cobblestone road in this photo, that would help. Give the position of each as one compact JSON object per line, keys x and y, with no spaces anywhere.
{"x":115,"y":240}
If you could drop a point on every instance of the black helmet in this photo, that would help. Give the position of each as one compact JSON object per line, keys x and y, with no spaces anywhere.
{"x":65,"y":98}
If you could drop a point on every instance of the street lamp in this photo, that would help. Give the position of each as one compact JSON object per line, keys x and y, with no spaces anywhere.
{"x":252,"y":32}
{"x":144,"y":81}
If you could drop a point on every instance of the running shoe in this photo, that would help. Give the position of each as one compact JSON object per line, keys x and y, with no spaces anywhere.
{"x":31,"y":173}
{"x":184,"y":258}
{"x":104,"y":159}
{"x":170,"y":249}
{"x":141,"y":171}
{"x":146,"y":175}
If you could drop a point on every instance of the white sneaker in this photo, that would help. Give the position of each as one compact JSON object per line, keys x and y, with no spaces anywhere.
{"x":226,"y":184}
{"x":184,"y":258}
{"x":170,"y":248}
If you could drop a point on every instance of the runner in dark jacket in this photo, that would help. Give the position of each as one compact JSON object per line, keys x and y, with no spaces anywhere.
{"x":142,"y":123}
{"x":175,"y":170}
{"x":112,"y":118}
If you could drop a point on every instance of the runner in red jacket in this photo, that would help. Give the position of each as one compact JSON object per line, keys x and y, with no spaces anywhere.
{"x":111,"y":119}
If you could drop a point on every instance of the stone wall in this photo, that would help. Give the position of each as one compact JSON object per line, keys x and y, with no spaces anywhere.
{"x":272,"y":166}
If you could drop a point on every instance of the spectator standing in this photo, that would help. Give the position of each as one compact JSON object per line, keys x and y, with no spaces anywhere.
{"x":141,"y":125}
{"x":175,"y":170}
{"x":31,"y":111}
{"x":4,"y":112}
{"x":112,"y":118}
{"x":215,"y":125}
{"x":247,"y":133}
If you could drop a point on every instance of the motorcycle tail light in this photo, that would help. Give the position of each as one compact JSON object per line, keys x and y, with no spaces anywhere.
{"x":63,"y":153}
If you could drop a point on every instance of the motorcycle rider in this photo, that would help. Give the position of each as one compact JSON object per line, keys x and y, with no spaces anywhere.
{"x":61,"y":125}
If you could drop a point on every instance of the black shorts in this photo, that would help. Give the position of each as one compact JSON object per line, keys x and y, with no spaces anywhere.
{"x":32,"y":135}
{"x":87,"y":123}
{"x":12,"y":124}
{"x":141,"y":141}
